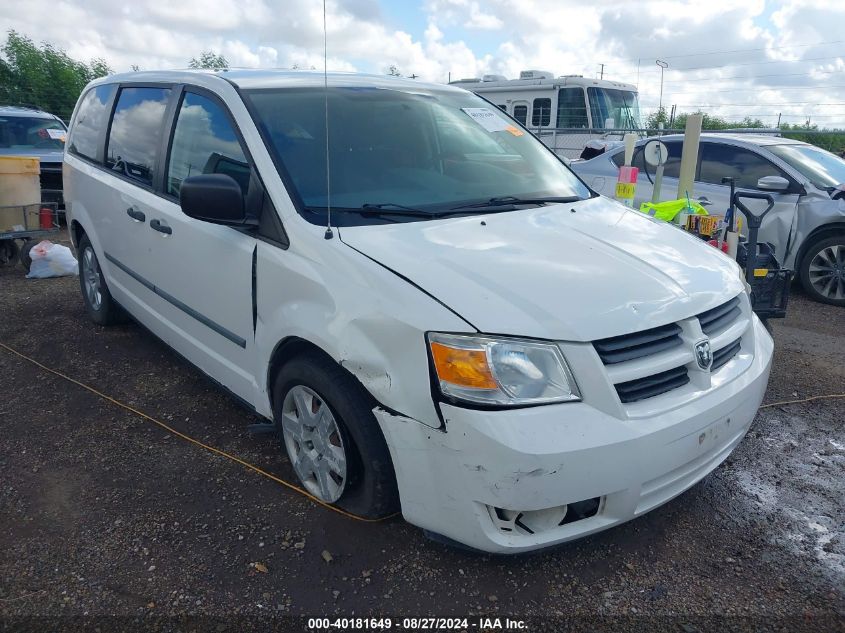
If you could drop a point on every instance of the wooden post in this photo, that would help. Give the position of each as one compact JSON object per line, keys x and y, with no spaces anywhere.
{"x":689,"y":156}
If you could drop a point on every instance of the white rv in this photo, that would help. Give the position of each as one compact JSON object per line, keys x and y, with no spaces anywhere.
{"x":566,"y":111}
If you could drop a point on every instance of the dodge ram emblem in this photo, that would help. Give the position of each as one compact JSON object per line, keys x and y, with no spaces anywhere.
{"x":703,"y":354}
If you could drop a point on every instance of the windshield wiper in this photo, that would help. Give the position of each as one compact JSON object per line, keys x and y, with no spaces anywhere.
{"x":377,"y":210}
{"x":389,"y":208}
{"x":504,"y":201}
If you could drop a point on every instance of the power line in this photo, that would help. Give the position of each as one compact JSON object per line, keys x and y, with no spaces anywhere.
{"x":743,"y":50}
{"x":772,"y":61}
{"x":761,"y":89}
{"x":697,"y":79}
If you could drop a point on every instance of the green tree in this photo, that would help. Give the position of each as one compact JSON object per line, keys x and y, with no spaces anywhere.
{"x":45,"y":77}
{"x":209,"y":60}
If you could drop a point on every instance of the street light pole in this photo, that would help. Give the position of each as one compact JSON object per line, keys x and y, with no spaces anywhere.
{"x":663,"y":66}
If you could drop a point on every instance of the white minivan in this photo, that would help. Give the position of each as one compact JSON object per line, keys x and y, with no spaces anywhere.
{"x":435,"y":312}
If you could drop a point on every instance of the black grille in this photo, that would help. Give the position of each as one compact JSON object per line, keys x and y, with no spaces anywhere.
{"x":651,"y":386}
{"x":720,"y":317}
{"x":51,"y":177}
{"x":722,"y":356}
{"x":630,"y":346}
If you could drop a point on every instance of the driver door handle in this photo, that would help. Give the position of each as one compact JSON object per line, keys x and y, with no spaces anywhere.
{"x":136,"y":215}
{"x":156,"y":225}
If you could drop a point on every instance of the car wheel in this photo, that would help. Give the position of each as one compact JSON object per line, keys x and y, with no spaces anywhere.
{"x":324,"y":419}
{"x":822,"y":270}
{"x":8,"y":251}
{"x":24,"y":256}
{"x":95,"y":293}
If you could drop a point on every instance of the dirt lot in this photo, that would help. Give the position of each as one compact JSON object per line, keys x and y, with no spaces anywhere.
{"x":107,"y":519}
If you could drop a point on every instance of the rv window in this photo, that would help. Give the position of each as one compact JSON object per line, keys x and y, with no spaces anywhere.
{"x":571,"y":108}
{"x":520,"y":113}
{"x":542,"y":112}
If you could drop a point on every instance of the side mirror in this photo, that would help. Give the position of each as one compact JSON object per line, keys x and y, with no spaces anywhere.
{"x":773,"y":183}
{"x":215,"y":198}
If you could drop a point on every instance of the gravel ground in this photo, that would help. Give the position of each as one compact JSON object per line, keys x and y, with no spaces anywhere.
{"x":108,"y":521}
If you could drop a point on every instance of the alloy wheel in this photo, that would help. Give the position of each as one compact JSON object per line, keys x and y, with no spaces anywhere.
{"x":827,"y":272}
{"x":91,"y":278}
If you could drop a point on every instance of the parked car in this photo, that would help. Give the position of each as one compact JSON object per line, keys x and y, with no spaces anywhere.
{"x":28,"y":131}
{"x":473,"y":335}
{"x":807,"y":224}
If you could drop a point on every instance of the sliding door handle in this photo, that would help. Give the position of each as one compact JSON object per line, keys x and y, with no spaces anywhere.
{"x":136,"y":215}
{"x":156,"y":225}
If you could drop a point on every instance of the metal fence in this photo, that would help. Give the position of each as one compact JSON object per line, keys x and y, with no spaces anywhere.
{"x":570,"y":142}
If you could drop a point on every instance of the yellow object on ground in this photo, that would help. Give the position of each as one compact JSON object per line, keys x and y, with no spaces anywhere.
{"x":667,"y":211}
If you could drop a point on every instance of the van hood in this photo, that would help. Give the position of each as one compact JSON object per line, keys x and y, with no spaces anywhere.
{"x":577,"y":272}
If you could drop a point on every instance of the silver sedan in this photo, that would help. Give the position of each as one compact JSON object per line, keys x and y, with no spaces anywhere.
{"x":806,"y":225}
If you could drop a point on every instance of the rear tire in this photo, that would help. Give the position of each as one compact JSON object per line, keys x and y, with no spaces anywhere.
{"x":24,"y":257}
{"x":8,"y":251}
{"x":368,"y":485}
{"x":822,"y":270}
{"x":99,"y":304}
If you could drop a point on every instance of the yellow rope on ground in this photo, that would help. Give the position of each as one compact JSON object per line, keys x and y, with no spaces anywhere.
{"x":260,"y":471}
{"x":810,"y":399}
{"x":190,"y":439}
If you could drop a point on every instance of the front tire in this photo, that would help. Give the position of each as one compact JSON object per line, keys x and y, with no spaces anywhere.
{"x":99,"y":304}
{"x":822,"y":270}
{"x":324,"y":419}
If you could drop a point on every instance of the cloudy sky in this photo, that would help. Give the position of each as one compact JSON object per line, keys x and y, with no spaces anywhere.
{"x":727,"y":57}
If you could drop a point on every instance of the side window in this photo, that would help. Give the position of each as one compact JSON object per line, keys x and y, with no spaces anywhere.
{"x":136,"y":132}
{"x":571,"y":108}
{"x":672,"y":167}
{"x":204,"y":142}
{"x":619,"y":159}
{"x":520,"y":113}
{"x":541,"y":113}
{"x":503,"y":107}
{"x":718,"y":161}
{"x":91,"y":119}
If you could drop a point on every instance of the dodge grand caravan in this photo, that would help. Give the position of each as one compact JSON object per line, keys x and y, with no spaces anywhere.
{"x":436,"y":314}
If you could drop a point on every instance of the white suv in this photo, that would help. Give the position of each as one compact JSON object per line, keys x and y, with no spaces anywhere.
{"x":478,"y":337}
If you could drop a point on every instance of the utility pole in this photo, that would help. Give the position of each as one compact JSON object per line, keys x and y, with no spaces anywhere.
{"x":601,"y":76}
{"x":778,"y":125}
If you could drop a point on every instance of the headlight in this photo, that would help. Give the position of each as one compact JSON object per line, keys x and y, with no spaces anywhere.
{"x":500,"y":371}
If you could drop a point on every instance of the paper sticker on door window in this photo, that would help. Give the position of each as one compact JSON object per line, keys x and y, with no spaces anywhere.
{"x":487,"y":119}
{"x":57,"y":135}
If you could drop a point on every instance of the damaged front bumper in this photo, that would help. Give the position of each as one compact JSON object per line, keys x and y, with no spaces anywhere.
{"x":517,"y":480}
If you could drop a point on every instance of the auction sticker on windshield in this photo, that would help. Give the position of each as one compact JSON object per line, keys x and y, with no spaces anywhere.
{"x":491,"y":121}
{"x":57,"y":135}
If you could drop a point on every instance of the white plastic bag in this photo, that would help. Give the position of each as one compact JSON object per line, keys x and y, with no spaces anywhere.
{"x":51,"y":260}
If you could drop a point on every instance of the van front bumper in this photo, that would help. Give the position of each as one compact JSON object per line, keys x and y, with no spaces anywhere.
{"x":543,"y":458}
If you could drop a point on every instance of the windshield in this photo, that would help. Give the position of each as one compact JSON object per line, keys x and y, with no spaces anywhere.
{"x":821,"y":168}
{"x":428,"y":150}
{"x":614,"y":109}
{"x":28,"y":133}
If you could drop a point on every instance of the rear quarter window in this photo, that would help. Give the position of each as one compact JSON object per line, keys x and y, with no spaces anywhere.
{"x":91,"y":120}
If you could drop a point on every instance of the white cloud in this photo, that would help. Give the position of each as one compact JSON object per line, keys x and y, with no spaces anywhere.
{"x":782,"y":58}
